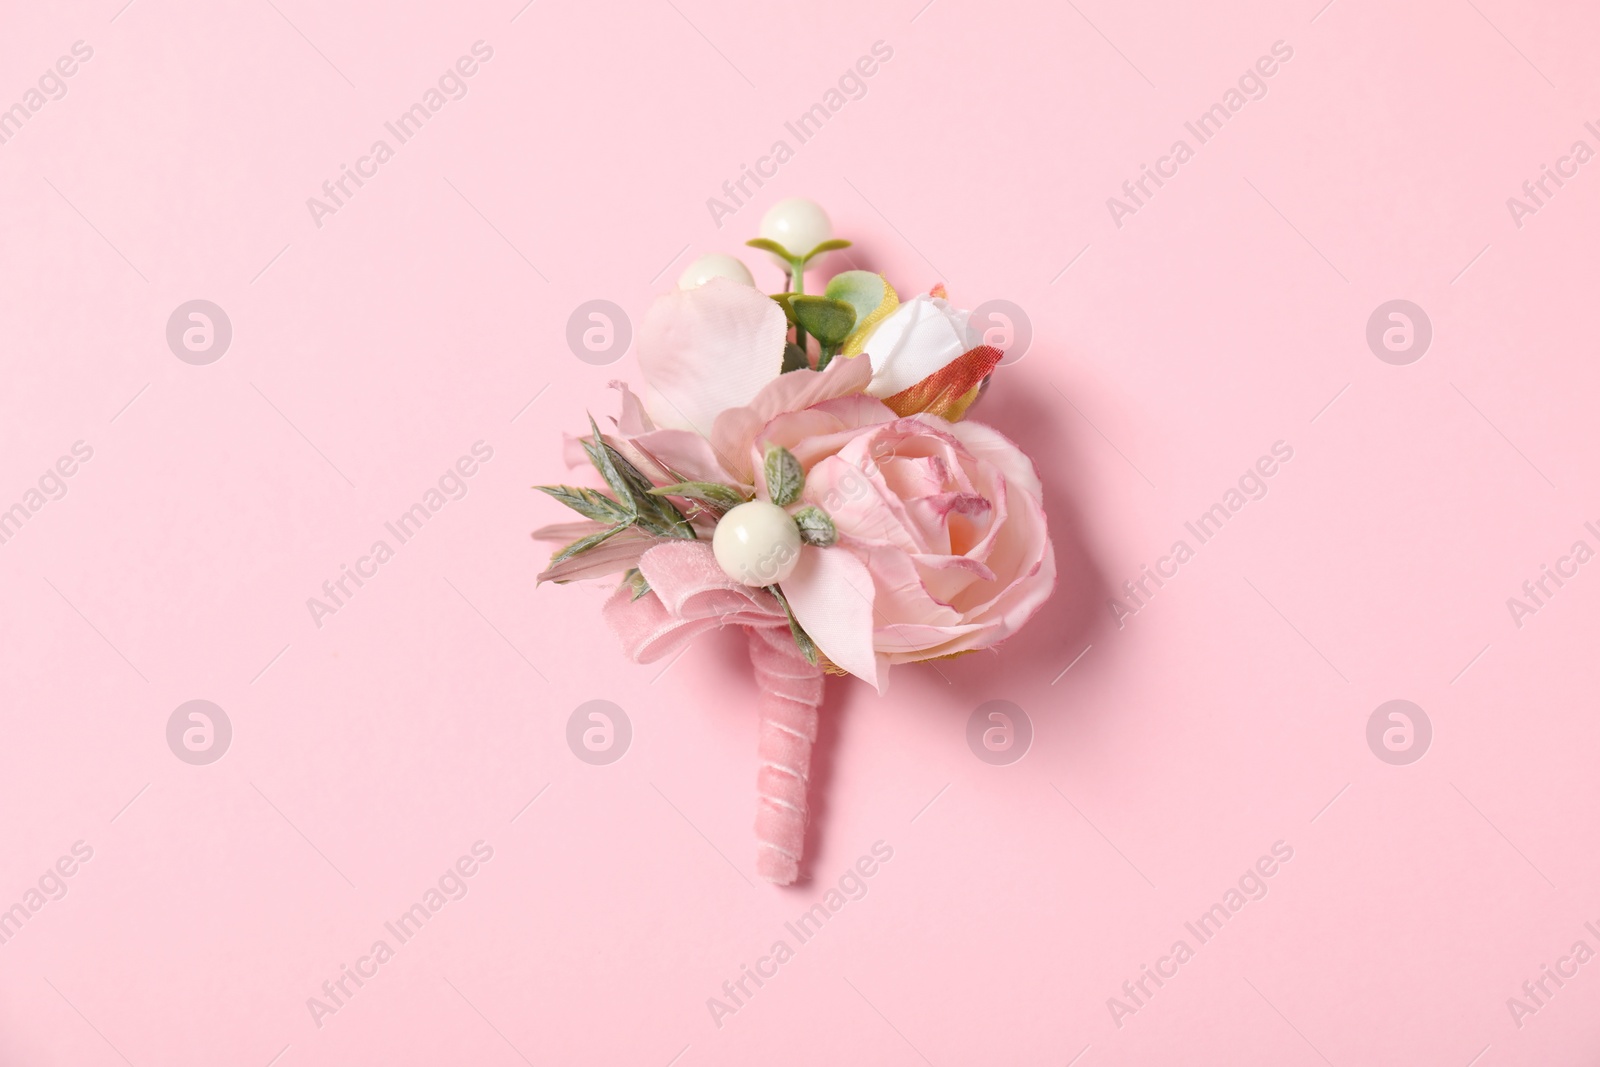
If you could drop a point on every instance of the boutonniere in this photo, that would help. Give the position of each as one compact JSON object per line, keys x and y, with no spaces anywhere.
{"x":801,"y":465}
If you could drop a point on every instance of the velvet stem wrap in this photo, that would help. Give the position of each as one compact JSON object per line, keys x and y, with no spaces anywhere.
{"x":791,"y":694}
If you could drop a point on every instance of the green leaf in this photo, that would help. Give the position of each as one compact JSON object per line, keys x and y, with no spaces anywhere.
{"x":815,"y":526}
{"x":583,"y":544}
{"x":768,"y":245}
{"x":861,"y":289}
{"x":826,"y":246}
{"x":637,"y":482}
{"x":656,"y":513}
{"x":794,"y":358}
{"x":633,"y":490}
{"x":785,"y":479}
{"x":782,"y":300}
{"x":587,"y":502}
{"x":857,"y":290}
{"x":829,"y":321}
{"x":802,"y":640}
{"x":718,"y":496}
{"x":637,"y":582}
{"x":600,"y":455}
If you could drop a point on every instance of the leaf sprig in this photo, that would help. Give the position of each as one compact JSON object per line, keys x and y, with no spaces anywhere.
{"x":635,"y":501}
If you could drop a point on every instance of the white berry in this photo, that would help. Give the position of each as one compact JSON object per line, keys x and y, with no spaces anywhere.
{"x":797,"y":224}
{"x":757,"y":543}
{"x":715,"y":265}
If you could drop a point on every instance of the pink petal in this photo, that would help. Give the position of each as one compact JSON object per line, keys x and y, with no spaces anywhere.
{"x":916,"y":642}
{"x":798,"y":389}
{"x":831,"y":595}
{"x":794,"y":391}
{"x":615,"y":554}
{"x":1001,"y":618}
{"x":860,"y":505}
{"x":957,"y":523}
{"x":705,"y":350}
{"x":564,"y":533}
{"x":732,"y":436}
{"x":901,"y":592}
{"x":633,"y":419}
{"x":572,"y":453}
{"x":986,"y":442}
{"x":683,"y":452}
{"x":916,"y":476}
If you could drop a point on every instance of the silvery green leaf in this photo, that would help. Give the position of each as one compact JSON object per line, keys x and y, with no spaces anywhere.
{"x":785,"y":479}
{"x":636,"y":581}
{"x":601,"y":456}
{"x":815,"y":526}
{"x":588,"y":503}
{"x":652,"y":513}
{"x":720,"y":497}
{"x":585,"y":543}
{"x":619,"y":552}
{"x":656,"y":512}
{"x":802,"y":640}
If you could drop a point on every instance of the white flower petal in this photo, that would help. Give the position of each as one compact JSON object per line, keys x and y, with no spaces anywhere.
{"x":919,"y":338}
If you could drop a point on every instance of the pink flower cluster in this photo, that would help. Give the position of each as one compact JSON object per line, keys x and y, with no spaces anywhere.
{"x":942,"y":543}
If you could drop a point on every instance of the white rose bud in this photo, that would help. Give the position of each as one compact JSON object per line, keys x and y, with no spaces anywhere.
{"x":920,"y":337}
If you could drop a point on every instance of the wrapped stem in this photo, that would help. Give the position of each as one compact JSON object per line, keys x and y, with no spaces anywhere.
{"x":791,"y":693}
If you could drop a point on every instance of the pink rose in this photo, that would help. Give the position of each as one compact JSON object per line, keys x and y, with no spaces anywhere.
{"x":943,"y":544}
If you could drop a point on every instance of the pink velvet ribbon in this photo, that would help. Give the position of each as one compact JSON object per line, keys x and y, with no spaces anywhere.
{"x":690,"y":594}
{"x":791,"y":693}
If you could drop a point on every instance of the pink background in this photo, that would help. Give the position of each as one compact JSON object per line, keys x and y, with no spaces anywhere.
{"x":1230,"y":713}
